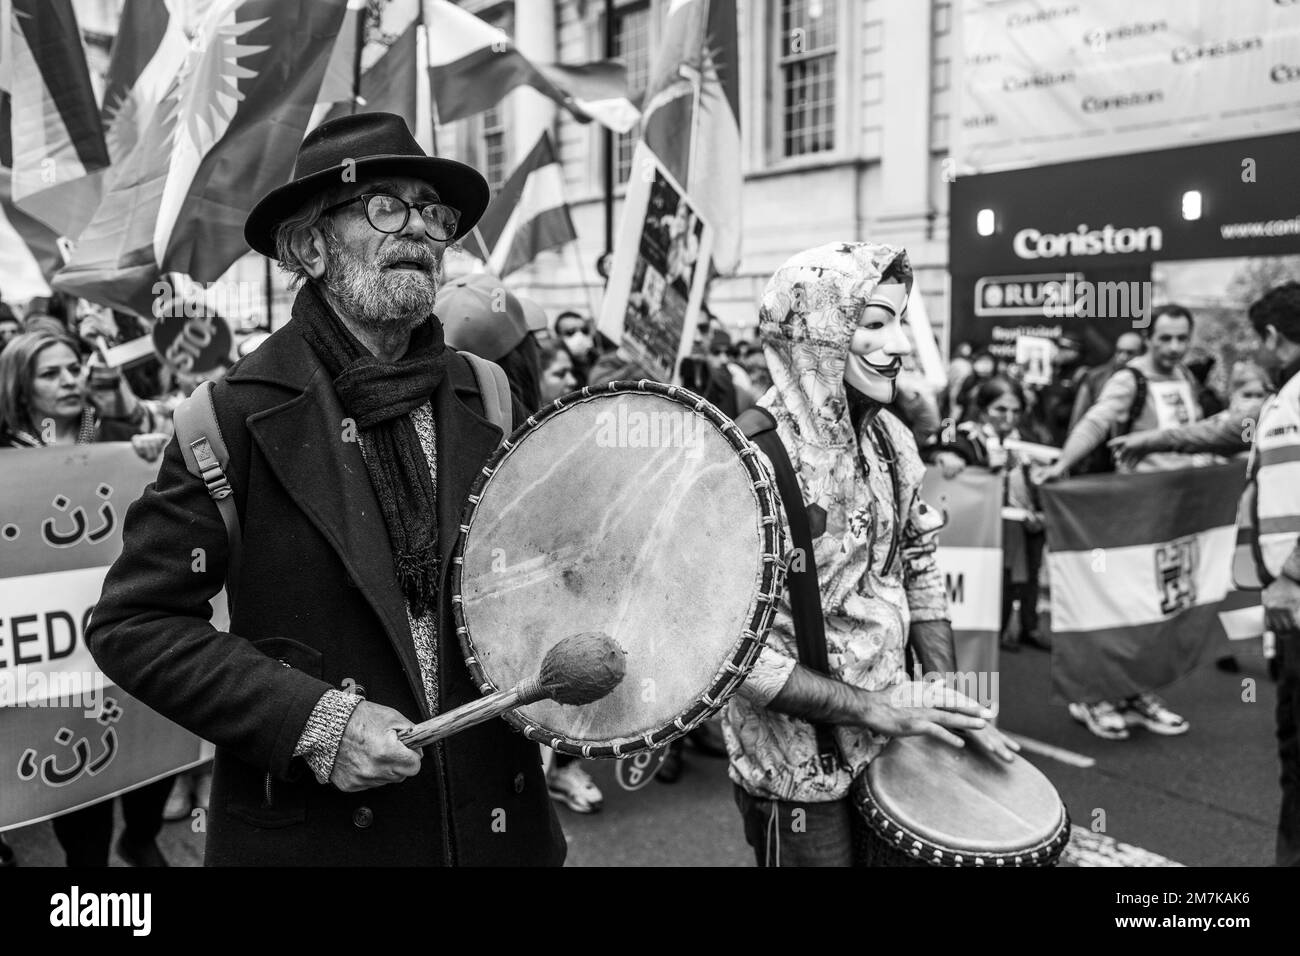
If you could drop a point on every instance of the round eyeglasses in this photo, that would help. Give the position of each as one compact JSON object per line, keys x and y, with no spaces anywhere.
{"x":389,"y":214}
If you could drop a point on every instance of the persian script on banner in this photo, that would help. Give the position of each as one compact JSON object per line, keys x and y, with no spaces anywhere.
{"x":68,"y":737}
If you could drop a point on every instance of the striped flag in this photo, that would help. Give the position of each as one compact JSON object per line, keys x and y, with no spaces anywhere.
{"x":1140,"y":567}
{"x":473,"y":65}
{"x":970,"y":557}
{"x":224,"y":131}
{"x":29,"y":250}
{"x":55,"y":136}
{"x":389,"y":69}
{"x":691,"y":116}
{"x":528,"y":216}
{"x":1242,"y":615}
{"x":147,"y":39}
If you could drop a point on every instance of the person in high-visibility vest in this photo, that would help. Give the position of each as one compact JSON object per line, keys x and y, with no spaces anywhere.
{"x":1275,"y":473}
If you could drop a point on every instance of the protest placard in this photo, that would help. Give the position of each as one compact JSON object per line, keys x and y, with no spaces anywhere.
{"x":660,"y":271}
{"x":68,"y":736}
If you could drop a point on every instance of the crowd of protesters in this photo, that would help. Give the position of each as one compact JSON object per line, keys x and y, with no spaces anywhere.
{"x":1145,"y":406}
{"x":56,"y":388}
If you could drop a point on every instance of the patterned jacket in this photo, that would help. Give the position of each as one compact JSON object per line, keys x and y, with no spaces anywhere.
{"x":875,"y":557}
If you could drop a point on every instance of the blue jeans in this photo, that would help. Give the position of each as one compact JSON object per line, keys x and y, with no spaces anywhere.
{"x":783,"y":833}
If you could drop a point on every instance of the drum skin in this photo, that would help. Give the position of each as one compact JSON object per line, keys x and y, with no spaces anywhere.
{"x":638,"y":510}
{"x":927,"y":803}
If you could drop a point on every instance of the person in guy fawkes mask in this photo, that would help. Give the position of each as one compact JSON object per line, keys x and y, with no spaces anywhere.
{"x":831,"y":331}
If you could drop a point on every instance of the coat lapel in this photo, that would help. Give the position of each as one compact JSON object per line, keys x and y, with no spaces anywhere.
{"x":465,"y":441}
{"x":318,"y":461}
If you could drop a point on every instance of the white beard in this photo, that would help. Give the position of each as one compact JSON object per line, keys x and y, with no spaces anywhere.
{"x":377,"y":298}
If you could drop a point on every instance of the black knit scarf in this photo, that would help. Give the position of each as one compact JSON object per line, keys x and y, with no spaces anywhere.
{"x":378,"y":396}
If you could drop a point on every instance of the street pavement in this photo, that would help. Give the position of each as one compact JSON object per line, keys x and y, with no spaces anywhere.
{"x":1209,"y":797}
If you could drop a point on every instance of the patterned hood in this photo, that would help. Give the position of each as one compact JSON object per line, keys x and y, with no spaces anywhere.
{"x":810,"y":309}
{"x":873,"y":538}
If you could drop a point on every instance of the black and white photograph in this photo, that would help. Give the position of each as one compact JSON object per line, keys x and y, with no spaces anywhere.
{"x":649,"y":434}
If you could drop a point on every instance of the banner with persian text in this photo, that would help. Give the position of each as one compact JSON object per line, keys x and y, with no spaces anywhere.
{"x":69,"y":737}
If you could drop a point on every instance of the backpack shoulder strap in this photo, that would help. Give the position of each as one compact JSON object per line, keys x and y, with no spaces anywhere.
{"x":759,"y":426}
{"x":204,"y":449}
{"x":494,"y":390}
{"x":1139,"y":398}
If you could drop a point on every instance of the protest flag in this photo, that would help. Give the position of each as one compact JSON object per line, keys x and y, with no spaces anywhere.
{"x":55,"y":139}
{"x":389,"y":66}
{"x":528,"y":215}
{"x":29,"y":250}
{"x":225,"y":132}
{"x":691,"y":116}
{"x":1140,"y":568}
{"x":147,"y":39}
{"x":473,"y":65}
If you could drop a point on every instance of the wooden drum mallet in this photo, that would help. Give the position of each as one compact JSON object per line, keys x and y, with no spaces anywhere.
{"x":578,"y":669}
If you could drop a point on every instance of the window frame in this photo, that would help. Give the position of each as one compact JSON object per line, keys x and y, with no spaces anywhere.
{"x":492,"y":123}
{"x":766,"y":86}
{"x":629,"y":8}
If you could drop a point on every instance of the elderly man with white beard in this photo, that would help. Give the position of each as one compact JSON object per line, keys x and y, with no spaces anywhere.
{"x":354,"y":434}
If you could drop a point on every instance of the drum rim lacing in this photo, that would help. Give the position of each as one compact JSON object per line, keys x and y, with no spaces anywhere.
{"x":768,"y":583}
{"x":921,"y":847}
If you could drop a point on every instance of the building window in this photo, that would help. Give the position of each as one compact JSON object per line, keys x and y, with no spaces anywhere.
{"x":494,"y":149}
{"x":805,"y":77}
{"x":492,"y":121}
{"x":632,"y":44}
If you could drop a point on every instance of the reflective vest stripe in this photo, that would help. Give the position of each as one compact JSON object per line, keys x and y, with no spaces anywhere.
{"x":1278,"y":478}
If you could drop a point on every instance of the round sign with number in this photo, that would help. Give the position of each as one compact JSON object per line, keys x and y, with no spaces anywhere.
{"x":192,"y":343}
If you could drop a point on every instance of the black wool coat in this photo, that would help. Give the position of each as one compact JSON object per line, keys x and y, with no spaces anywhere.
{"x":318,"y":606}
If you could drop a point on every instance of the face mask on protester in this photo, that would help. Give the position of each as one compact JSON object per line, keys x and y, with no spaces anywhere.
{"x":578,"y":343}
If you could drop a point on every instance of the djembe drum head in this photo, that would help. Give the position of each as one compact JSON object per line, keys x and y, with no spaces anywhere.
{"x":929,"y":803}
{"x":633,"y":509}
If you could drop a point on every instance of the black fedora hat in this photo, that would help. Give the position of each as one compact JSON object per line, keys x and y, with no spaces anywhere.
{"x":376,"y":144}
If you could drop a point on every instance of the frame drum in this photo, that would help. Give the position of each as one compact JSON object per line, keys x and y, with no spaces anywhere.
{"x":636,"y":509}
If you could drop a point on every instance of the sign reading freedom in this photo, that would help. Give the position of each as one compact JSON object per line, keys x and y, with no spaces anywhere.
{"x":68,"y":737}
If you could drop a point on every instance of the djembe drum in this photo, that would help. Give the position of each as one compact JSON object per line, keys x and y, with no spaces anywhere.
{"x":925,"y":803}
{"x":633,"y":509}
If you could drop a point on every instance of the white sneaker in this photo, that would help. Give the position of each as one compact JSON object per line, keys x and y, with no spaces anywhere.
{"x":1149,"y":711}
{"x":1102,"y":719}
{"x":572,"y":786}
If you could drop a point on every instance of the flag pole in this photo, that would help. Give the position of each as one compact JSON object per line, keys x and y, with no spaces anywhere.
{"x":586,"y":289}
{"x":270,"y":294}
{"x":609,"y":139}
{"x":425,"y":66}
{"x":356,"y":60}
{"x":698,"y":83}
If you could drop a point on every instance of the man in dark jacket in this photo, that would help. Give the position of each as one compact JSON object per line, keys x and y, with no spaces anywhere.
{"x":354,"y":435}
